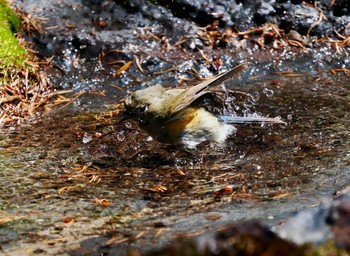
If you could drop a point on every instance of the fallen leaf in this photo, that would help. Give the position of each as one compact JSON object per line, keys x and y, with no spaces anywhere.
{"x":68,"y":220}
{"x":103,"y":202}
{"x":224,"y":191}
{"x":125,"y":67}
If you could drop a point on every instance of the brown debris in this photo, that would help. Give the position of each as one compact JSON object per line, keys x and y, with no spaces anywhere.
{"x":24,"y":87}
{"x":321,"y":17}
{"x":267,"y":35}
{"x":28,"y":90}
{"x":6,"y":217}
{"x":125,"y":67}
{"x":157,"y":188}
{"x":103,"y":202}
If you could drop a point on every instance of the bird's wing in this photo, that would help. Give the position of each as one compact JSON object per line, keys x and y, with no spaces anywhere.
{"x":195,"y":92}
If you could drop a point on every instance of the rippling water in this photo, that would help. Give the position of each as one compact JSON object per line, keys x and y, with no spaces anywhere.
{"x":56,"y":169}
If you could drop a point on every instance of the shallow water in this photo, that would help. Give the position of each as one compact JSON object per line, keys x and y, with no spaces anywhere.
{"x":57,"y":169}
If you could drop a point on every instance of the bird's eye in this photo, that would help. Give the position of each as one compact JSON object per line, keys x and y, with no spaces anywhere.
{"x":143,"y":108}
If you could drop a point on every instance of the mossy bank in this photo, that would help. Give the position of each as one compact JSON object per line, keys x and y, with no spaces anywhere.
{"x":23,"y":89}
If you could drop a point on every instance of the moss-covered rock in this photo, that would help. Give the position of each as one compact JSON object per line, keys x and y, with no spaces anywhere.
{"x":23,"y":88}
{"x":11,"y":51}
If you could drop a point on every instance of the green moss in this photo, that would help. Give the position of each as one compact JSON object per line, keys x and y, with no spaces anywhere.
{"x":11,"y":52}
{"x":8,"y":14}
{"x":329,"y":248}
{"x":23,"y":88}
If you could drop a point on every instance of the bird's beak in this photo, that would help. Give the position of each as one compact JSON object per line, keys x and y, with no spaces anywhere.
{"x":125,"y":116}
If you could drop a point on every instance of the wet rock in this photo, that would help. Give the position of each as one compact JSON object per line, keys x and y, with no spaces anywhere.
{"x":79,"y":32}
{"x":245,"y":238}
{"x":298,"y":17}
{"x":341,"y":8}
{"x":92,"y":21}
{"x":339,"y":220}
{"x":247,"y":233}
{"x":317,"y":225}
{"x":308,"y":226}
{"x":264,"y":11}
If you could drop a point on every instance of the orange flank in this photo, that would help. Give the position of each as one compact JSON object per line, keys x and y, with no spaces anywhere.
{"x":179,"y":123}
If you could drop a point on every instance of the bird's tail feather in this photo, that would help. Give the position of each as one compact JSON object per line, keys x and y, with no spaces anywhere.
{"x":250,"y":119}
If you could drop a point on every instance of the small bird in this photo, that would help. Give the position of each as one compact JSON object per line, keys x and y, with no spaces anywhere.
{"x":181,"y":116}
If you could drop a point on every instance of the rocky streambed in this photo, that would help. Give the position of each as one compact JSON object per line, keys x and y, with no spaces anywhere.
{"x":75,"y":181}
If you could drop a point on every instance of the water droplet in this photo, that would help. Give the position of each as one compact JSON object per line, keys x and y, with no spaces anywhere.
{"x":256,"y":95}
{"x":128,"y":125}
{"x":87,"y":138}
{"x":268,"y":92}
{"x":136,"y":146}
{"x":249,"y":103}
{"x":121,"y":136}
